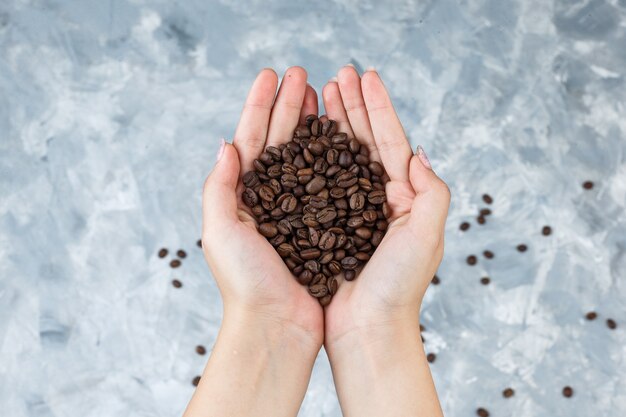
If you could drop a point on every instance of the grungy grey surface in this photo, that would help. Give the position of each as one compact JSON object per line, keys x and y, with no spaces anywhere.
{"x":110,"y":117}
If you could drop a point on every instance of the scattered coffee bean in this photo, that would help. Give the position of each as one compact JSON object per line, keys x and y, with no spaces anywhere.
{"x":422,"y":328}
{"x":175,"y":263}
{"x":431,"y":357}
{"x":320,"y":201}
{"x":592,"y":315}
{"x":196,"y":381}
{"x":546,"y":231}
{"x":485,"y":280}
{"x":200,"y":350}
{"x":522,"y":248}
{"x":199,"y":243}
{"x":436,"y":280}
{"x":464,"y":226}
{"x":481,"y":220}
{"x":485,"y":212}
{"x":181,"y":254}
{"x":568,"y":392}
{"x":163,"y":253}
{"x":471,"y":260}
{"x":611,"y":324}
{"x":487,"y":199}
{"x":481,"y":412}
{"x":508,"y":393}
{"x":588,"y":185}
{"x":488,"y":254}
{"x":176,"y":283}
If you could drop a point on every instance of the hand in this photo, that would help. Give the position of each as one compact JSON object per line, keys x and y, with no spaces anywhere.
{"x":372,"y":324}
{"x":272,"y":328}
{"x":249,"y":272}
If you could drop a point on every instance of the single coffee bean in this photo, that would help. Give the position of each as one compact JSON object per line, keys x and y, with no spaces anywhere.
{"x":305,"y":277}
{"x":327,"y":241}
{"x":266,"y":193}
{"x":568,"y":391}
{"x":196,"y":381}
{"x":362,"y":256}
{"x":312,"y":266}
{"x":303,"y":130}
{"x":508,"y":393}
{"x":163,"y":253}
{"x":522,"y":248}
{"x":485,"y":280}
{"x":251,"y":179}
{"x":546,"y":231}
{"x":592,"y":315}
{"x":377,"y":197}
{"x":488,"y":254}
{"x":200,"y":350}
{"x":611,"y":324}
{"x":289,"y":203}
{"x":318,"y":201}
{"x":249,"y":197}
{"x":332,"y":285}
{"x":588,"y":185}
{"x":345,"y":159}
{"x":325,"y":300}
{"x":268,"y":229}
{"x":315,"y":185}
{"x":176,"y":283}
{"x":318,"y":290}
{"x":487,"y":198}
{"x":175,"y":263}
{"x":481,"y":220}
{"x":316,"y":128}
{"x":471,"y":260}
{"x":181,"y":254}
{"x":363,"y":232}
{"x":436,"y":280}
{"x":485,"y":212}
{"x":481,"y":412}
{"x":339,"y":138}
{"x":266,"y":158}
{"x":376,"y":168}
{"x":464,"y":226}
{"x":310,"y":253}
{"x":431,"y":357}
{"x":349,"y":275}
{"x":349,"y":262}
{"x":326,"y":215}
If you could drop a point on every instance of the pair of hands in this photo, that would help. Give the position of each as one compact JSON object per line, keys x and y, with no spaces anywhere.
{"x":255,"y":283}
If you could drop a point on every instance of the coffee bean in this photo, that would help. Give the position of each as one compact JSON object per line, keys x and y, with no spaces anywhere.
{"x":325,"y":300}
{"x":250,"y":198}
{"x":332,"y":285}
{"x":175,"y":263}
{"x":431,"y":357}
{"x":464,"y":226}
{"x":436,"y":280}
{"x":471,"y":260}
{"x":357,"y":201}
{"x":485,"y":280}
{"x":305,"y":277}
{"x":251,"y":179}
{"x":481,"y":220}
{"x":268,"y":229}
{"x":488,"y":254}
{"x":199,"y":243}
{"x":196,"y":381}
{"x":522,"y":248}
{"x":376,"y":168}
{"x":163,"y":253}
{"x":611,"y":324}
{"x":176,"y":283}
{"x":568,"y":391}
{"x":546,"y":231}
{"x":349,"y":262}
{"x":377,"y":197}
{"x":318,"y":290}
{"x":592,"y":315}
{"x":588,"y":185}
{"x":200,"y":350}
{"x":181,"y":254}
{"x":349,"y":275}
{"x":310,"y":253}
{"x":485,"y":212}
{"x":508,"y":393}
{"x":487,"y":198}
{"x":259,"y":167}
{"x":325,"y":215}
{"x":289,"y":203}
{"x":481,"y":412}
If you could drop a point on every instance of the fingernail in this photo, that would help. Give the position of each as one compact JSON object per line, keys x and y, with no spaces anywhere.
{"x":350,"y":65}
{"x":370,"y":69}
{"x":423,"y":157}
{"x":221,"y":151}
{"x":333,"y":80}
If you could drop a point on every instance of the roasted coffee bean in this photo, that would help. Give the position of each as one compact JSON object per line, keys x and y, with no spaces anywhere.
{"x":326,"y":257}
{"x":487,"y":198}
{"x":481,"y":220}
{"x":488,"y":254}
{"x":332,"y":285}
{"x":377,"y":237}
{"x":431,"y":357}
{"x":588,"y":185}
{"x":471,"y":260}
{"x":305,"y":277}
{"x":266,"y":193}
{"x":318,"y":290}
{"x":266,"y":158}
{"x":377,"y":197}
{"x":303,"y":131}
{"x":481,"y":412}
{"x":176,"y":283}
{"x":522,"y":248}
{"x":175,"y":263}
{"x":310,"y":253}
{"x":181,"y":254}
{"x":436,"y":280}
{"x":464,"y":226}
{"x":285,"y":249}
{"x":196,"y":381}
{"x":349,"y":262}
{"x":485,"y":280}
{"x":362,"y":256}
{"x":546,"y":231}
{"x":315,"y":185}
{"x":357,"y":201}
{"x":349,"y":275}
{"x":611,"y":324}
{"x":163,"y":253}
{"x":592,"y":315}
{"x":249,"y":197}
{"x":312,"y":266}
{"x":268,"y":229}
{"x":284,"y":227}
{"x":568,"y":391}
{"x":258,"y":166}
{"x":325,"y":300}
{"x":327,"y":240}
{"x":508,"y":393}
{"x":376,"y":168}
{"x":325,"y":215}
{"x":345,"y":159}
{"x":363,"y":232}
{"x":339,"y":138}
{"x":289,"y":203}
{"x":251,"y":179}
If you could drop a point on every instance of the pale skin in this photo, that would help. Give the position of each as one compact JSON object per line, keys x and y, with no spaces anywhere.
{"x":272,"y":328}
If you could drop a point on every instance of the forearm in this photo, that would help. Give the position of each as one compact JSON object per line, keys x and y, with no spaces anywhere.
{"x":383,"y":371}
{"x":257,"y":368}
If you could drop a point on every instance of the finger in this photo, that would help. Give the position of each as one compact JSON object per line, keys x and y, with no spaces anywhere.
{"x":286,"y":111}
{"x":251,"y":131}
{"x":219,"y":199}
{"x":430,"y":206}
{"x":309,"y":105}
{"x":334,"y":107}
{"x":350,"y":89}
{"x":395,"y":150}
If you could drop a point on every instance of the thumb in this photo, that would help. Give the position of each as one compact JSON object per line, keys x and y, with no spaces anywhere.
{"x":219,"y":198}
{"x":430,"y":206}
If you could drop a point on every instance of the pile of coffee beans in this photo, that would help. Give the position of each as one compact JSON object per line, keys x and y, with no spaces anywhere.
{"x":320,"y":202}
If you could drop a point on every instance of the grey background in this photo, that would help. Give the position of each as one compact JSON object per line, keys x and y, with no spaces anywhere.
{"x":110,"y":117}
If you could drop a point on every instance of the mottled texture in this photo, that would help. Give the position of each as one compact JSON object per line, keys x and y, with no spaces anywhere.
{"x":110,"y":116}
